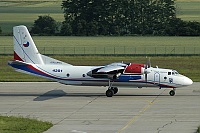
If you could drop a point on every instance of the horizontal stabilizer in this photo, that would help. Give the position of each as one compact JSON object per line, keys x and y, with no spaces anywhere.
{"x":16,"y":63}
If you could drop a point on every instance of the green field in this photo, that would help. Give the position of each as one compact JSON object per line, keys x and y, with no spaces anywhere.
{"x":24,"y":13}
{"x":66,"y":41}
{"x":188,"y":10}
{"x":109,"y":45}
{"x":14,"y":13}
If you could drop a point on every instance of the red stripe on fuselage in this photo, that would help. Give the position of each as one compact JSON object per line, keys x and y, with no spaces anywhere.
{"x":39,"y":72}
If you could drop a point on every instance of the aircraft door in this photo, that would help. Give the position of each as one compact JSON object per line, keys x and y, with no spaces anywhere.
{"x":156,"y":77}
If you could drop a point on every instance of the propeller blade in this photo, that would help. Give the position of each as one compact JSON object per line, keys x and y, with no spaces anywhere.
{"x":146,"y":65}
{"x":146,"y":77}
{"x":149,"y":63}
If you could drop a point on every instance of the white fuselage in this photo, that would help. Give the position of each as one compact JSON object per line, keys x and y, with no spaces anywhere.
{"x":77,"y":75}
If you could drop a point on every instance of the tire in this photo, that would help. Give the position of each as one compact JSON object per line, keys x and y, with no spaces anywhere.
{"x":115,"y":90}
{"x":109,"y":93}
{"x":172,"y":93}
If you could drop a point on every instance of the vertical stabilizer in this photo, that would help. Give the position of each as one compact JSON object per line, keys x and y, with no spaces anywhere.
{"x":24,"y":47}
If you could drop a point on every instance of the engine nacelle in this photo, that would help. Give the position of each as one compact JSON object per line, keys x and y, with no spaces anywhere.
{"x":135,"y":69}
{"x":116,"y":75}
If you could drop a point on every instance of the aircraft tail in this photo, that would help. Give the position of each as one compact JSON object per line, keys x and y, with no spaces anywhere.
{"x":24,"y":47}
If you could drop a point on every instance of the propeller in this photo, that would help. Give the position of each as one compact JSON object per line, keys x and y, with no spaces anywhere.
{"x":147,"y":65}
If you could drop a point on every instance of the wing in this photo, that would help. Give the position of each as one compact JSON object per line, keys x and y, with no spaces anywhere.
{"x":109,"y":71}
{"x":110,"y":68}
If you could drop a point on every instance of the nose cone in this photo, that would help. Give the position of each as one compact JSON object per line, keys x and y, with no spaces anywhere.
{"x":187,"y":81}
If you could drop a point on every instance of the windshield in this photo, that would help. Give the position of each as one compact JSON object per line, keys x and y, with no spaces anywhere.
{"x":174,"y":72}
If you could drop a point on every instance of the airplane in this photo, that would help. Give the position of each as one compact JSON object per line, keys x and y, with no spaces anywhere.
{"x":27,"y":59}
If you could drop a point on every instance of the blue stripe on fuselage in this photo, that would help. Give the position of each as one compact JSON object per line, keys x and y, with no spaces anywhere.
{"x":126,"y":78}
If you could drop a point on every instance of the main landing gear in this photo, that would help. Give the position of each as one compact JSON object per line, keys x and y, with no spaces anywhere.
{"x":172,"y":92}
{"x":111,"y":91}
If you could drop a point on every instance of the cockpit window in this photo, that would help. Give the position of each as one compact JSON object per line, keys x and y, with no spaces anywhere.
{"x":175,"y":72}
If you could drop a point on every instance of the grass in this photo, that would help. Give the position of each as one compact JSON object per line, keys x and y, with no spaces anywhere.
{"x":108,"y":45}
{"x":188,"y":66}
{"x":62,"y":41}
{"x":188,"y":10}
{"x":11,"y":124}
{"x":14,"y":13}
{"x":198,"y":130}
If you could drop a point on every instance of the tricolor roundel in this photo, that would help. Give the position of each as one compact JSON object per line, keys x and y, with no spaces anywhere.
{"x":26,"y":44}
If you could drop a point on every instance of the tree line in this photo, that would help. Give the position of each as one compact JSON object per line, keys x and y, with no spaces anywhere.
{"x":117,"y":17}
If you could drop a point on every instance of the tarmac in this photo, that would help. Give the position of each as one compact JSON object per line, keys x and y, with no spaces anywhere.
{"x":81,"y":109}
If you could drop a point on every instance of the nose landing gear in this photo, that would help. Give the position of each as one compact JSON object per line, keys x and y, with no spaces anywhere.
{"x":172,"y":92}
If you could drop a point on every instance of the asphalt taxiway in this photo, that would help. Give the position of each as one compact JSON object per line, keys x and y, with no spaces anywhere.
{"x":78,"y":109}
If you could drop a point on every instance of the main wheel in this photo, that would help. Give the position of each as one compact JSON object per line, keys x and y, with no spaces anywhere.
{"x":109,"y":93}
{"x":172,"y":93}
{"x":115,"y":90}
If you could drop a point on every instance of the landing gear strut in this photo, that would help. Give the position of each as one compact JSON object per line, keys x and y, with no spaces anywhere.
{"x":172,"y":92}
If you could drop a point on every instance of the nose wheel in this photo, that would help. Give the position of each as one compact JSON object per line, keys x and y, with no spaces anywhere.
{"x":172,"y":92}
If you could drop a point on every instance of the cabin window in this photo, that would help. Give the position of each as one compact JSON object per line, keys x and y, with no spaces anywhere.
{"x":169,"y":73}
{"x":83,"y":75}
{"x":68,"y":75}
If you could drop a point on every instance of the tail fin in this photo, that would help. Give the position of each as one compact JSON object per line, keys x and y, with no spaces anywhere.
{"x":24,"y":47}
